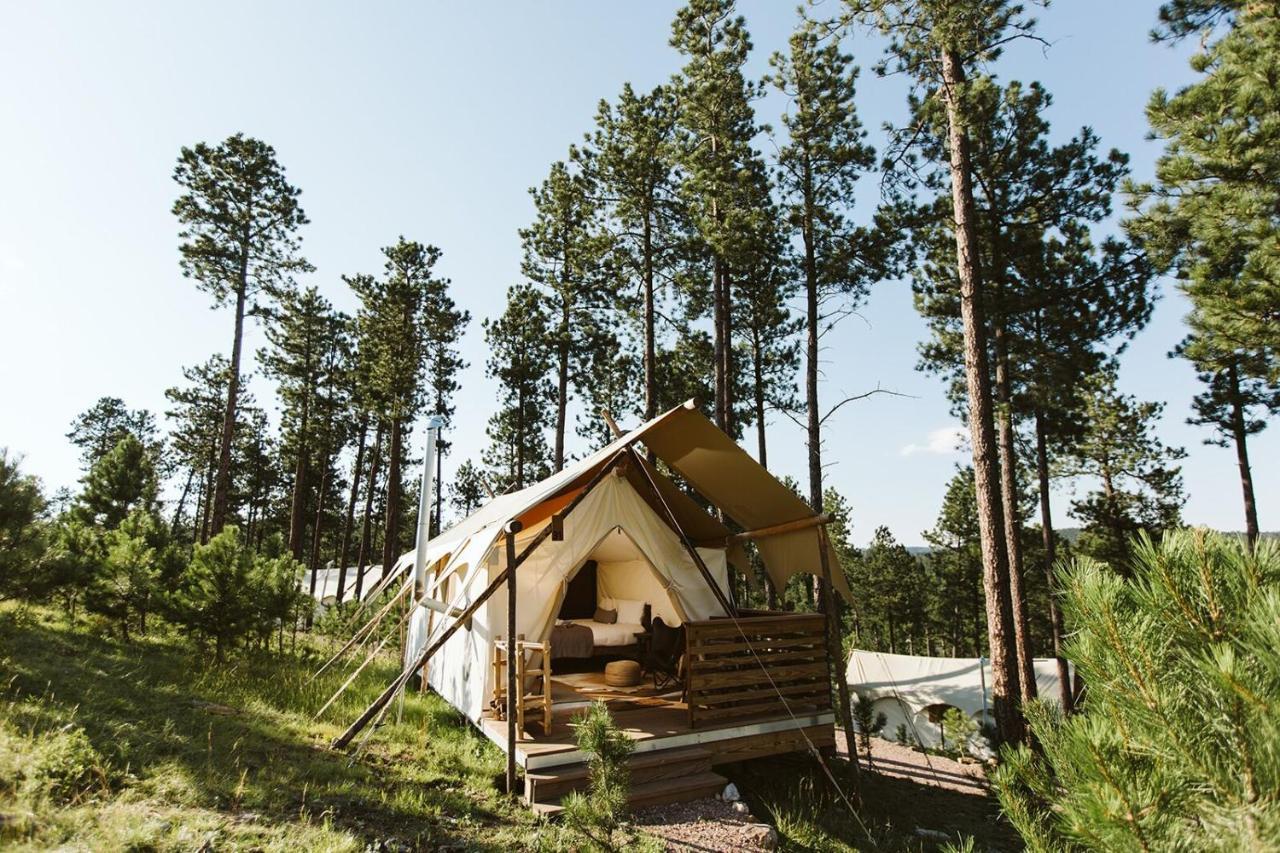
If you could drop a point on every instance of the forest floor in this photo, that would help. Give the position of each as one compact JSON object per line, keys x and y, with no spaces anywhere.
{"x":147,"y":745}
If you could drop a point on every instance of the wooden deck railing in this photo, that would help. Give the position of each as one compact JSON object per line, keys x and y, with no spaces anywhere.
{"x":727,"y":661}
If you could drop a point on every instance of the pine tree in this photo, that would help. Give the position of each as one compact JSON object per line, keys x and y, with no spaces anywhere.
{"x":1141,"y":484}
{"x":562,"y":249}
{"x":1213,"y":213}
{"x":239,"y":219}
{"x":467,"y":492}
{"x":631,"y":156}
{"x":217,"y":597}
{"x":521,"y":358}
{"x":123,"y":587}
{"x":725,"y":185}
{"x":396,"y":315}
{"x":124,"y":480}
{"x":1174,"y":747}
{"x":98,"y":429}
{"x":22,"y":537}
{"x":1033,"y":209}
{"x":956,"y":560}
{"x":941,"y":45}
{"x":305,"y":333}
{"x":1234,"y":392}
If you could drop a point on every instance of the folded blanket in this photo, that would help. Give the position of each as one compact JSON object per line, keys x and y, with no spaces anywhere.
{"x":571,"y":641}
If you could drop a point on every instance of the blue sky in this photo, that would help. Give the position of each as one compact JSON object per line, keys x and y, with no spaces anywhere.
{"x":431,"y":120}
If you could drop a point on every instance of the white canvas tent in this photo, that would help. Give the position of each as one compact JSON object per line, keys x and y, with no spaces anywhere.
{"x":326,"y":591}
{"x":640,"y":528}
{"x":911,"y":690}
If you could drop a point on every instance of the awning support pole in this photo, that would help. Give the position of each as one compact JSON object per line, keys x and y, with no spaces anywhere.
{"x":369,"y":713}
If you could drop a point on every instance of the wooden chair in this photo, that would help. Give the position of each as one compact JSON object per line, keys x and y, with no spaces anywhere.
{"x":528,"y":701}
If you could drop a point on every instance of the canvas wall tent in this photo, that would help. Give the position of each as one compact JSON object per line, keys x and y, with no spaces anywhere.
{"x":326,"y":591}
{"x":911,"y":689}
{"x":637,"y":515}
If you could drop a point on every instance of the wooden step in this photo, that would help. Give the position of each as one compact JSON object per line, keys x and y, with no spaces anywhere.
{"x":552,"y":783}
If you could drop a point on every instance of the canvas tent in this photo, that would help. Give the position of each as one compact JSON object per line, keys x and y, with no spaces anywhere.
{"x":639,"y":527}
{"x":911,"y":690}
{"x":326,"y":589}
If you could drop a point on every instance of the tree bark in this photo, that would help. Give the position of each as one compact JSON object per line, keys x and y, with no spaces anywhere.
{"x":1050,"y":556}
{"x":562,"y":390}
{"x":650,"y":337}
{"x":344,"y":549}
{"x":222,"y":481}
{"x":366,"y":527}
{"x":391,"y":523}
{"x":761,"y":444}
{"x":718,"y":344}
{"x":726,"y":315}
{"x":297,"y":506}
{"x":182,"y":502}
{"x":1012,"y":520}
{"x":1004,"y":678}
{"x":1240,"y":433}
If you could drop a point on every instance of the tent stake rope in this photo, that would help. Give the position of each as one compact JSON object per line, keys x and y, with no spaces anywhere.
{"x":398,"y":684}
{"x":732,"y":614}
{"x":359,"y":636}
{"x":404,"y":617}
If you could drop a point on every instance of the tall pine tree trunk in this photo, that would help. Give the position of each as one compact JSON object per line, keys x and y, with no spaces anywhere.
{"x":761,"y":444}
{"x":1012,"y":521}
{"x":1050,"y":556}
{"x":995,"y":568}
{"x":562,"y":389}
{"x":437,"y":522}
{"x":718,"y":342}
{"x":825,"y":590}
{"x":297,"y":505}
{"x":222,"y":481}
{"x":726,"y":315}
{"x":366,"y":525}
{"x":182,"y":502}
{"x":348,"y":522}
{"x":391,"y":525}
{"x":1240,"y":433}
{"x":650,"y":336}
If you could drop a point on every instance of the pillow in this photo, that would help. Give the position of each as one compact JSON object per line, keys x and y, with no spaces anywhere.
{"x":630,"y":612}
{"x":605,"y":617}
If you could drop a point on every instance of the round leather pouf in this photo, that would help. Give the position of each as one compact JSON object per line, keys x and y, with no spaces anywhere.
{"x":623,"y":673}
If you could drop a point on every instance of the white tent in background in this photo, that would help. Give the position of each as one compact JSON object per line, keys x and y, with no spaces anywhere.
{"x":914,"y":691}
{"x":326,"y":592}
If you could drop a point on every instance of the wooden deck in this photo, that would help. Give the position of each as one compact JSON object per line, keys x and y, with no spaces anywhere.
{"x":658,"y":724}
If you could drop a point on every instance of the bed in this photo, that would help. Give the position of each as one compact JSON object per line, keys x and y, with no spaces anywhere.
{"x":586,"y":638}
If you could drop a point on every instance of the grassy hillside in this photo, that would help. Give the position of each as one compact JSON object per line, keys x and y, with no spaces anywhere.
{"x":146,"y":746}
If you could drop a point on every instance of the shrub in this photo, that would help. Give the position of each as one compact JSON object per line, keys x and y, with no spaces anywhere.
{"x":868,"y":722}
{"x":21,"y":533}
{"x":65,"y":768}
{"x":1177,"y":743}
{"x":125,"y":584}
{"x":956,"y":728}
{"x":598,"y":814}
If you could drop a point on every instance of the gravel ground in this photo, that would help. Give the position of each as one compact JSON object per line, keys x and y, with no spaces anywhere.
{"x":890,"y":758}
{"x":702,"y":825}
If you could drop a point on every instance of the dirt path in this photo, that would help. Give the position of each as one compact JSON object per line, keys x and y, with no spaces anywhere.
{"x":889,"y":758}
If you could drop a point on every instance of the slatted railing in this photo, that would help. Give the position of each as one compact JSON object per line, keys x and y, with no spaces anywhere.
{"x":726,"y":663}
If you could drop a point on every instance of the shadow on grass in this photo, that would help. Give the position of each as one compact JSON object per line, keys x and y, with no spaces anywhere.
{"x":241,"y":740}
{"x":794,"y":794}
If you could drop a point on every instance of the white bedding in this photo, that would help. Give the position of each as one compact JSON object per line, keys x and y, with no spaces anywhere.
{"x":617,"y":634}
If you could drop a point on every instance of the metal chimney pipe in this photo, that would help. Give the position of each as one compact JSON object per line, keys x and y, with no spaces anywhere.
{"x":434,"y":425}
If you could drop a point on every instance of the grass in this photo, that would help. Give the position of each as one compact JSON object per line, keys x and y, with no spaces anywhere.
{"x":145,"y":745}
{"x":148,"y":746}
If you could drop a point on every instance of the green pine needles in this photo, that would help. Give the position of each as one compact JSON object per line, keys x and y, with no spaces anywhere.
{"x":599,"y":813}
{"x":1177,"y":745}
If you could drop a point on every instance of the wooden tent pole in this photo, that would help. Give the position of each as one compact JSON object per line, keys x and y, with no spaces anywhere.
{"x":383,"y":698}
{"x":513,"y":699}
{"x":729,"y":609}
